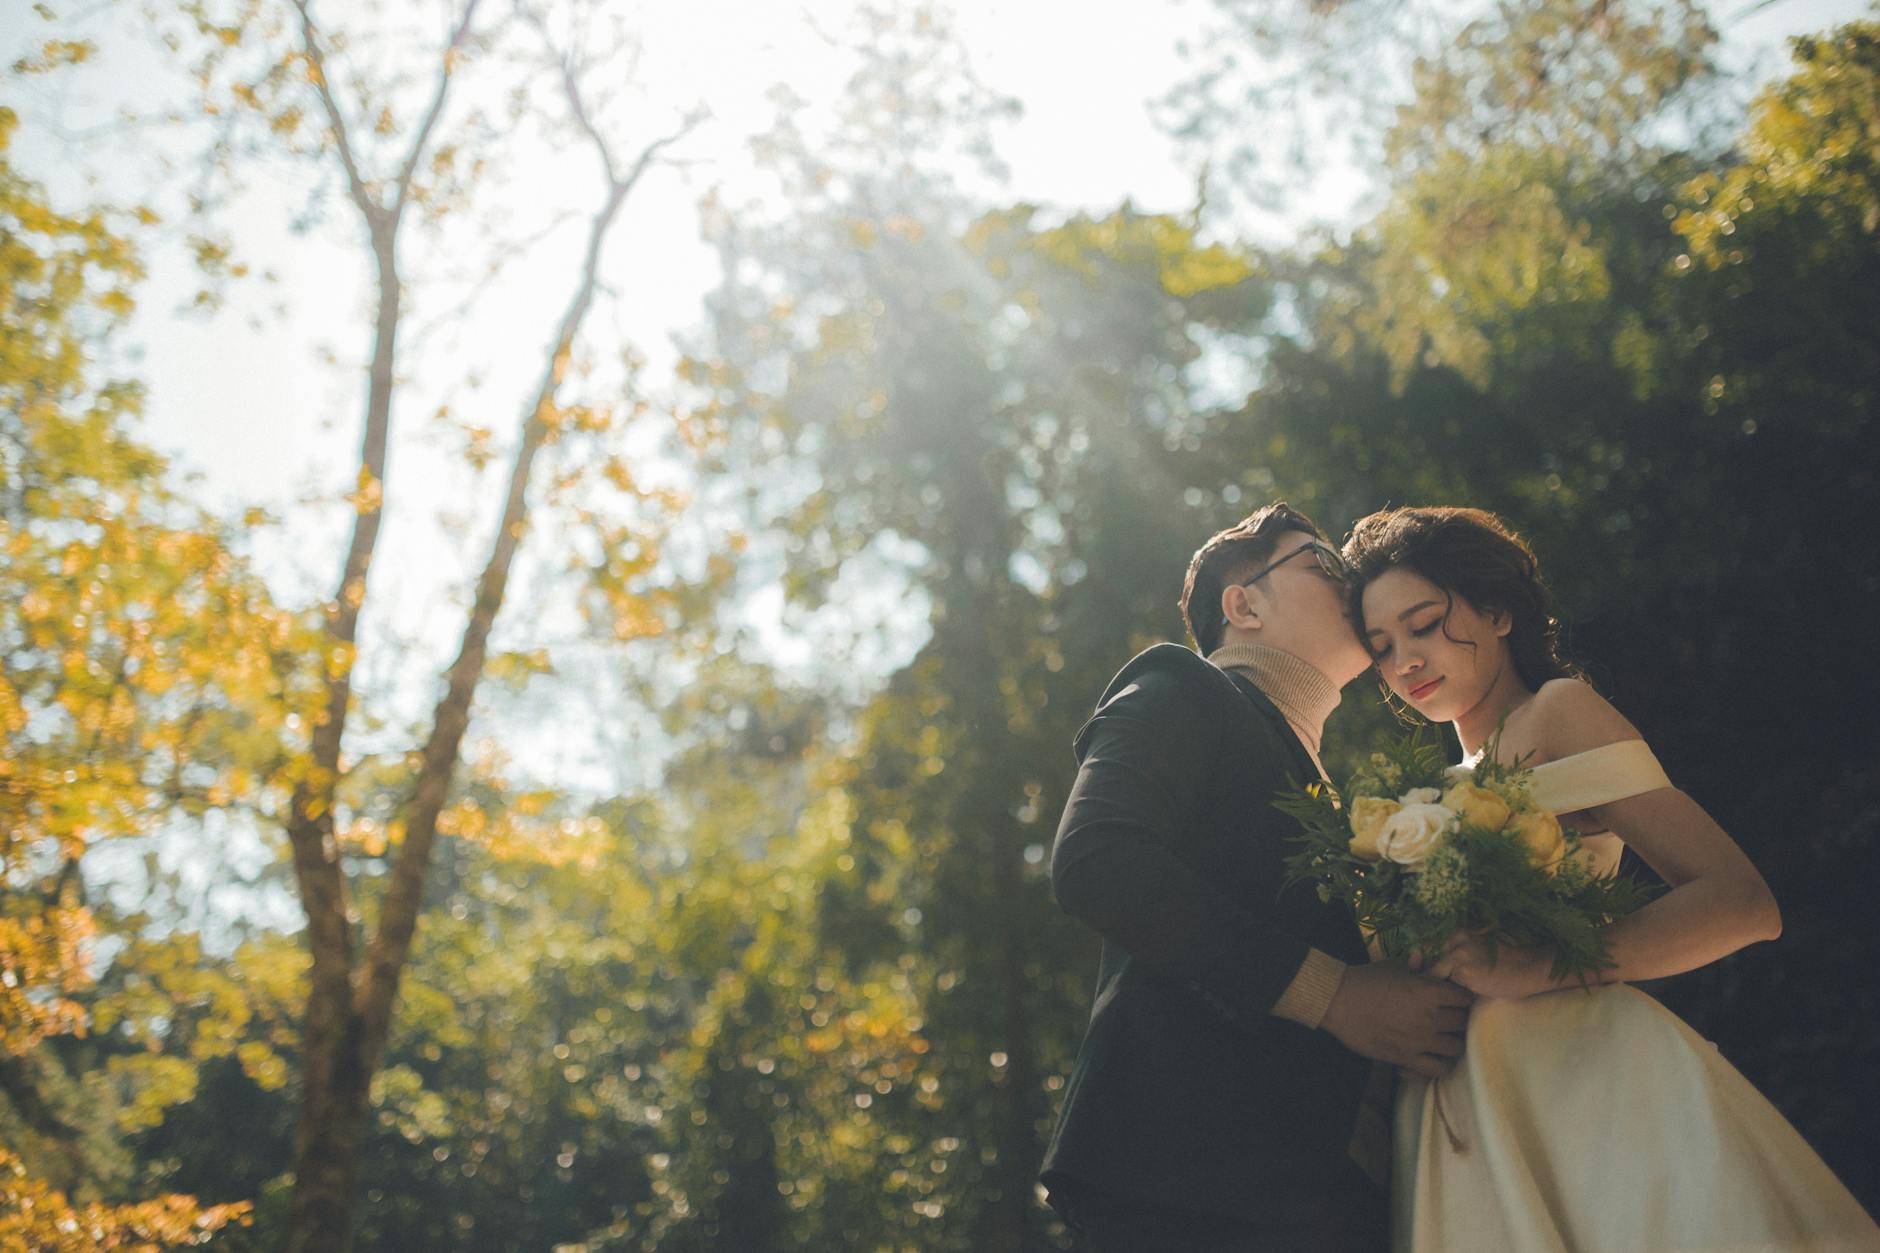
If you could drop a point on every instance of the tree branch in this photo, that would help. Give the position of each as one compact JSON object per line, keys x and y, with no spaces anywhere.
{"x":342,"y":138}
{"x":447,"y":63}
{"x":651,"y":152}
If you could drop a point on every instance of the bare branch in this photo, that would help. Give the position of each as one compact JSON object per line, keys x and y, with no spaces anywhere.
{"x":506,"y":254}
{"x":349,"y":1005}
{"x":572,"y":89}
{"x":446,"y":66}
{"x":342,"y":138}
{"x":650,"y":153}
{"x":569,"y":67}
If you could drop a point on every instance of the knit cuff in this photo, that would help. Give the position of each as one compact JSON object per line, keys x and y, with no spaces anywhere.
{"x":1310,"y":993}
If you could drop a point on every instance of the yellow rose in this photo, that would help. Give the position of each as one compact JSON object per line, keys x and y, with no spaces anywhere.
{"x":1476,"y":806}
{"x":1368,"y":816}
{"x":1539,"y":831}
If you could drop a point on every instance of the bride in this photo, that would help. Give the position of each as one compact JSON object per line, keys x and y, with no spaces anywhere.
{"x":1577,"y":1120}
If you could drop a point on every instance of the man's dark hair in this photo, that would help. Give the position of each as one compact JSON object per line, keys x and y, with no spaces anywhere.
{"x":1229,"y":557}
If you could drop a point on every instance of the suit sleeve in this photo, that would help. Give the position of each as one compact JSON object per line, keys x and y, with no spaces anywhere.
{"x":1146,"y":759}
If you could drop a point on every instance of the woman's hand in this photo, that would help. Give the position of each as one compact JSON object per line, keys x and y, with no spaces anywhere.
{"x":1505,"y":972}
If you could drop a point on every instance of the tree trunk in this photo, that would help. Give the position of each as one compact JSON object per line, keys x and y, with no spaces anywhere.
{"x":1016,"y":1168}
{"x":349,"y":1004}
{"x":999,"y":952}
{"x":328,"y":1145}
{"x":333,"y":1081}
{"x":347,"y":1022}
{"x":326,"y":1158}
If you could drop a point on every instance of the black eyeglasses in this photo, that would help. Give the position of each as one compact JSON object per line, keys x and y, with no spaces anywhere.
{"x":1330,"y":564}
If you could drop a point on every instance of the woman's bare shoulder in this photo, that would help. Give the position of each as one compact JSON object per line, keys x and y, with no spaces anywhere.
{"x":1569,"y":717}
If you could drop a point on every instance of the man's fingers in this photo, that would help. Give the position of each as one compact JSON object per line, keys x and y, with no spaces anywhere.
{"x":1452,"y":1019}
{"x":1445,"y":974}
{"x":1444,"y":1046}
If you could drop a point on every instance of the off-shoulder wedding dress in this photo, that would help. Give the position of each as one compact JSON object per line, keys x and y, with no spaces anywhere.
{"x":1598,"y":1122}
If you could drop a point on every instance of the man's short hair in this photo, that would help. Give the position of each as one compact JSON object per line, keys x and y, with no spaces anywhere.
{"x":1228,"y":557}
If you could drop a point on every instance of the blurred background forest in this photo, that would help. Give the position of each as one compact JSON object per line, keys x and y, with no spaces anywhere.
{"x":604,"y":801}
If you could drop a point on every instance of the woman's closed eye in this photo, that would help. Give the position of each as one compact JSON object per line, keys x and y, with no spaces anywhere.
{"x":1380,"y":648}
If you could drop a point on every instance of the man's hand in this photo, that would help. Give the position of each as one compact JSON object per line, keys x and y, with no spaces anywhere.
{"x":1386,"y":1012}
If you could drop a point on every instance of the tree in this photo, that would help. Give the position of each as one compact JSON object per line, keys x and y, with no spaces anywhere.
{"x":995,"y":412}
{"x":1284,"y":95}
{"x":644,"y":1035}
{"x":317,"y":100}
{"x":1629,"y":401}
{"x":1778,"y":274}
{"x":38,"y":1217}
{"x":122,"y":701}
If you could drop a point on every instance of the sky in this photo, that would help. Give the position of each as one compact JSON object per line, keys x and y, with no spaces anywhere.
{"x":244,"y":398}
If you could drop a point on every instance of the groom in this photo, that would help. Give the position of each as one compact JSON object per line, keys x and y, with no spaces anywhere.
{"x":1232,"y":1089}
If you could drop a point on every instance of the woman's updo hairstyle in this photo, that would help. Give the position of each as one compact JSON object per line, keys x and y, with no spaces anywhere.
{"x":1469,"y":553}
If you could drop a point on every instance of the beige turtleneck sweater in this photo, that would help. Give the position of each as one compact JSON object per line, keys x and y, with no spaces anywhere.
{"x":1298,"y":689}
{"x":1305,"y":697}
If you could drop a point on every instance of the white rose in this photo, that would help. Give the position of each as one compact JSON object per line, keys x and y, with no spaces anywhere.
{"x":1413,"y":832}
{"x":1421,"y":796}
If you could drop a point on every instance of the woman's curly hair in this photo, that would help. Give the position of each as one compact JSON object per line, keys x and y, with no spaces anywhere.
{"x":1469,"y":553}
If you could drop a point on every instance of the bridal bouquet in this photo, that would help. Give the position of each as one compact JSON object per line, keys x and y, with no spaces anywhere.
{"x":1420,"y":850}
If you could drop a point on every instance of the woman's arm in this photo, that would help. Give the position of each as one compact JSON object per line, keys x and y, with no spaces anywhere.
{"x":1717,"y":902}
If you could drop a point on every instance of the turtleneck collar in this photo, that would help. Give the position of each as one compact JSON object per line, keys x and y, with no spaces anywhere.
{"x":1302,"y":692}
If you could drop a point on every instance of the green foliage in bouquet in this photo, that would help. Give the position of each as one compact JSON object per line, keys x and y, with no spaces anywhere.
{"x":1421,"y":850}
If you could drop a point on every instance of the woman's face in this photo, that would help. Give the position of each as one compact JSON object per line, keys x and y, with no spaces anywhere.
{"x":1435,"y":650}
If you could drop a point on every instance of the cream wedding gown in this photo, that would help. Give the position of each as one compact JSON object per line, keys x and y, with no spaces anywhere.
{"x":1598,"y":1122}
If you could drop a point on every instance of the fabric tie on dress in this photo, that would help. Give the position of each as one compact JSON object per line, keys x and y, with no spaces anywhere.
{"x":1610,"y":772}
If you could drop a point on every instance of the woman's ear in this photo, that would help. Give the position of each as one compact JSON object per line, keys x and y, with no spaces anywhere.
{"x":1501,"y":620}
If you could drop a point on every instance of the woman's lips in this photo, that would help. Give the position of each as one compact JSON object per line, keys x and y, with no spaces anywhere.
{"x":1424,"y":689}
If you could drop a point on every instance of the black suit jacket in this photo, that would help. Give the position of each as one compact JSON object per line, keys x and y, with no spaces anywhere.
{"x":1187,"y":1092}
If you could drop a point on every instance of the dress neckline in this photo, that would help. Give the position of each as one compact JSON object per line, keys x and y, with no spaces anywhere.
{"x":1623,"y":746}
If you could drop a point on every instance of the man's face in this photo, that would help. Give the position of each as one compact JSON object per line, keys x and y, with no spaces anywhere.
{"x":1300,"y":604}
